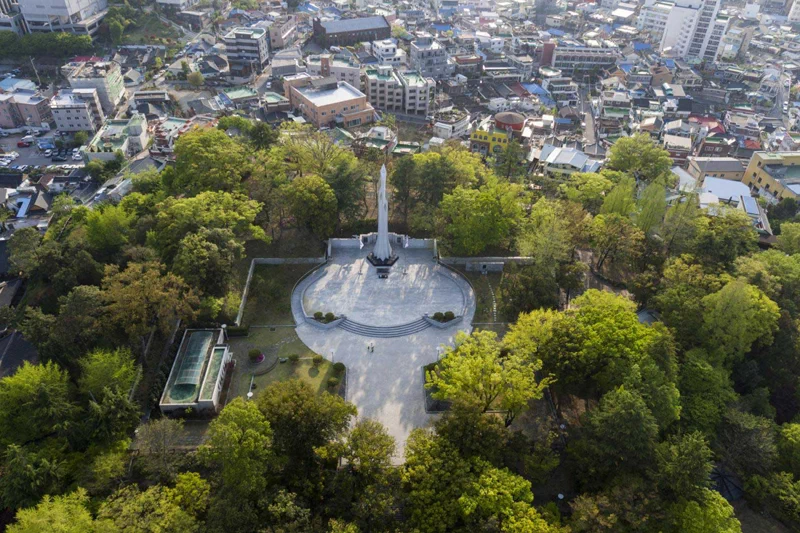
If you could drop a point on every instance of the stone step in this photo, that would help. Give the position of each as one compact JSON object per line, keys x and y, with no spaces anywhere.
{"x":383,"y":332}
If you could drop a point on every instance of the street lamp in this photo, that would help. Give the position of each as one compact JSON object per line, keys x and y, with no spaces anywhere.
{"x":332,"y":358}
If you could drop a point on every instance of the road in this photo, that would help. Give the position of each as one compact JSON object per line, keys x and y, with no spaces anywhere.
{"x":589,"y":132}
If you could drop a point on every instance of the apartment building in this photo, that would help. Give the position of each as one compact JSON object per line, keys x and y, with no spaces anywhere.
{"x":727,"y":168}
{"x":325,"y":65}
{"x":176,"y":5}
{"x":128,"y":136}
{"x":774,"y":175}
{"x":77,"y":110}
{"x":387,"y":52}
{"x":105,"y":76}
{"x":282,"y":32}
{"x":429,"y":58}
{"x":691,"y":29}
{"x":24,"y":108}
{"x":384,"y":89}
{"x":418,"y":92}
{"x":327,"y":102}
{"x":247,"y":50}
{"x":455,"y":123}
{"x":572,"y":56}
{"x":10,"y":17}
{"x":347,"y":32}
{"x":76,"y":16}
{"x":561,"y":88}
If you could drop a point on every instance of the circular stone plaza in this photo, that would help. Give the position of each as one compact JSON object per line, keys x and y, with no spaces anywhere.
{"x":382,"y":330}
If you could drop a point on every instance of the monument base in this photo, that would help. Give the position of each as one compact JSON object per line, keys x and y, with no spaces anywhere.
{"x":381,"y":262}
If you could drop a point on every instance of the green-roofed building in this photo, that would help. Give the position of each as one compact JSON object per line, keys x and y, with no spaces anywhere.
{"x":198,"y":373}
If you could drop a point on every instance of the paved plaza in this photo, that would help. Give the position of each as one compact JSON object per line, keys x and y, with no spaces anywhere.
{"x":349,"y":285}
{"x":387,"y":383}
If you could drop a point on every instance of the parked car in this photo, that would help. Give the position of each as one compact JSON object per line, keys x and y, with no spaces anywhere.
{"x":58,"y":158}
{"x":23,"y":144}
{"x":77,"y":156}
{"x":48,"y":153}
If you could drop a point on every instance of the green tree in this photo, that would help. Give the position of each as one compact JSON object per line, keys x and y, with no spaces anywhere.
{"x":680,"y":224}
{"x":143,"y":297}
{"x":80,"y":138}
{"x":615,"y":240}
{"x":472,"y":219}
{"x":60,"y":514}
{"x":301,"y":421}
{"x":367,"y":450}
{"x":510,"y":163}
{"x":116,"y":29}
{"x":34,"y":403}
{"x":205,"y":259}
{"x":640,"y":156}
{"x":705,"y":393}
{"x":789,"y":448}
{"x":618,"y":437}
{"x":683,"y":466}
{"x":588,"y":189}
{"x":404,"y":179}
{"x":526,"y":288}
{"x":262,"y":135}
{"x":789,"y":239}
{"x":473,"y":373}
{"x":651,"y":207}
{"x":29,"y":475}
{"x":239,"y":444}
{"x":132,"y":511}
{"x":313,"y":203}
{"x":710,"y":513}
{"x":747,"y":443}
{"x":207,"y":160}
{"x":721,"y":238}
{"x":196,"y":79}
{"x":777,"y":493}
{"x":23,"y":250}
{"x":736,"y":317}
{"x":107,"y":369}
{"x":348,"y":181}
{"x":107,"y":230}
{"x":620,"y":200}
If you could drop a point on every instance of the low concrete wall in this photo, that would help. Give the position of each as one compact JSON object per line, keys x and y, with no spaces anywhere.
{"x":443,"y":325}
{"x":493,"y":264}
{"x":395,"y":239}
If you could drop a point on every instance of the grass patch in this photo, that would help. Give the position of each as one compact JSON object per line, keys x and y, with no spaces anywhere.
{"x":279,"y":343}
{"x":269,"y":301}
{"x":484,"y":285}
{"x":150,"y":29}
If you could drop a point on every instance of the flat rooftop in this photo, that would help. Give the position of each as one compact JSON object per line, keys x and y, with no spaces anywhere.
{"x":322,"y":97}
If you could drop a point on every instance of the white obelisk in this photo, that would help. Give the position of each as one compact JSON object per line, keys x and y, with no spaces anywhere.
{"x":383,"y":250}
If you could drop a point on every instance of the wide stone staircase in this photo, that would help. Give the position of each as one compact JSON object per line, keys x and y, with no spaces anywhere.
{"x":384,"y":332}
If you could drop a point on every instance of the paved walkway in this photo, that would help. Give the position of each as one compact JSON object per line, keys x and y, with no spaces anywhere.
{"x":386,"y":385}
{"x":348,"y":285}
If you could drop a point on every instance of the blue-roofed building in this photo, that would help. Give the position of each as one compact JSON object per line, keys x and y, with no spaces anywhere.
{"x":641,"y":47}
{"x":9,"y":85}
{"x":348,"y":32}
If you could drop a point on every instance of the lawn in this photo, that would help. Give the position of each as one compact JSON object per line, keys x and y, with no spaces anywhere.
{"x":269,"y":300}
{"x":282,"y":342}
{"x":485,"y":316}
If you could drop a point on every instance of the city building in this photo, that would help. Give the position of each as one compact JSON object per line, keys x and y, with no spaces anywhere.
{"x":105,"y":76}
{"x":24,"y":108}
{"x":247,"y":49}
{"x":347,"y":32}
{"x":77,"y":110}
{"x":128,"y":136}
{"x":774,"y":175}
{"x":728,"y":168}
{"x":282,"y":32}
{"x":451,"y":124}
{"x":493,"y":134}
{"x":387,"y":52}
{"x":176,"y":5}
{"x":690,"y":29}
{"x":76,"y":16}
{"x":418,"y":92}
{"x":198,"y":373}
{"x":574,"y":57}
{"x":429,"y":58}
{"x":328,"y":65}
{"x":559,"y":162}
{"x":10,"y":17}
{"x":384,"y":89}
{"x":327,"y":102}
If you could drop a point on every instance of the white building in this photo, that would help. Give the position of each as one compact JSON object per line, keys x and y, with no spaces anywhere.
{"x":76,"y":16}
{"x":10,"y":17}
{"x":429,"y":57}
{"x":451,"y":124}
{"x":176,"y":5}
{"x":77,"y":110}
{"x":388,"y":53}
{"x":794,"y":12}
{"x":384,"y":89}
{"x":327,"y":65}
{"x":573,"y":56}
{"x":418,"y":92}
{"x":685,"y":28}
{"x":105,"y":76}
{"x":247,"y":49}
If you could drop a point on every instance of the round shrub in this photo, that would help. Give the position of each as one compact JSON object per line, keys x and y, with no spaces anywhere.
{"x":338,"y":368}
{"x":438,"y":316}
{"x":254,"y":355}
{"x":330,"y":317}
{"x":294,"y":358}
{"x":318,"y":315}
{"x":333,"y":382}
{"x":449,"y":315}
{"x":317,"y":360}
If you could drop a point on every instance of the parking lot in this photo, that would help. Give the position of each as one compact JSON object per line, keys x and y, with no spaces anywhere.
{"x":31,"y":155}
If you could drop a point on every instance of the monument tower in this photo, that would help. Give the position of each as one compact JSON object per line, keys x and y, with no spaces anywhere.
{"x":382,"y":255}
